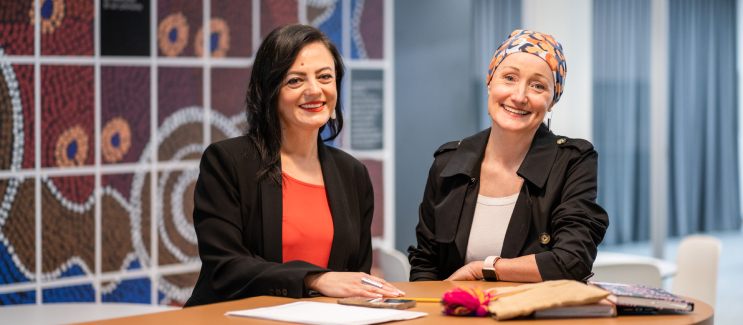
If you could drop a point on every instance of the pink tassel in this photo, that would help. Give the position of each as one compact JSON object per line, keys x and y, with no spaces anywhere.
{"x":463,"y":301}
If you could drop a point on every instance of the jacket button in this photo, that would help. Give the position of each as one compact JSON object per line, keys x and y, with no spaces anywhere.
{"x":270,"y":292}
{"x":472,"y":181}
{"x":561,"y":141}
{"x":283,"y":291}
{"x":544,"y":238}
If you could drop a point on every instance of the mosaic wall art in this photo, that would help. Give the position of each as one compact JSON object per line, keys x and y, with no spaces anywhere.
{"x":100,"y":139}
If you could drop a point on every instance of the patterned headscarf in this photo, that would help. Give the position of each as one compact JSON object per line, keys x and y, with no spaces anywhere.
{"x":539,"y":44}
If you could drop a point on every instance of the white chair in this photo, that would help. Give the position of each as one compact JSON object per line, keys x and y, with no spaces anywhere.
{"x":393,"y":264}
{"x":646,"y":274}
{"x":698,"y":258}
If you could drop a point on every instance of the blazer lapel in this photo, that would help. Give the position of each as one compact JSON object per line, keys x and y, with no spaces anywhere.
{"x":273,"y":215}
{"x":338,"y":208}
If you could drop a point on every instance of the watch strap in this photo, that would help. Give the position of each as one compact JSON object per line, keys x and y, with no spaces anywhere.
{"x":488,"y":268}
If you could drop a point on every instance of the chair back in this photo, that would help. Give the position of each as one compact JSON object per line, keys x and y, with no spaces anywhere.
{"x":393,"y":264}
{"x":630,"y":273}
{"x":698,"y":258}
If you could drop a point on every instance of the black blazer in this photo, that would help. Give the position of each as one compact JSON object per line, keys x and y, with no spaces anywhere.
{"x":238,"y":224}
{"x":556,"y":216}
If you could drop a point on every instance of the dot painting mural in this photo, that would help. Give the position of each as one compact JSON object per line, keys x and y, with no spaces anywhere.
{"x":105,"y":109}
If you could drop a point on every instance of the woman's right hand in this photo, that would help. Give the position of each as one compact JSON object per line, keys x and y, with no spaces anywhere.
{"x":348,"y":284}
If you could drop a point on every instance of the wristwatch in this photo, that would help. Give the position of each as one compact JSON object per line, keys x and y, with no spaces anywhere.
{"x":488,"y":268}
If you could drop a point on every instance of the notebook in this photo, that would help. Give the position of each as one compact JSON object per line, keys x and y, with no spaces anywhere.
{"x":603,"y":308}
{"x":634,"y":295}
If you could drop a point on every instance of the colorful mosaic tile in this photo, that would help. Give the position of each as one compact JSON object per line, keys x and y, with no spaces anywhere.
{"x":275,"y":13}
{"x":231,"y":28}
{"x":16,"y":116}
{"x":129,"y":291}
{"x":66,"y":26}
{"x":367,"y":24}
{"x":80,"y":293}
{"x":18,"y":298}
{"x":68,"y":226}
{"x":67,"y":115}
{"x":229,"y":86}
{"x":17,"y":231}
{"x":16,"y":28}
{"x":125,"y":221}
{"x":176,"y":289}
{"x":176,"y":233}
{"x":178,"y":23}
{"x":328,"y":17}
{"x":180,"y":112}
{"x":125,"y":113}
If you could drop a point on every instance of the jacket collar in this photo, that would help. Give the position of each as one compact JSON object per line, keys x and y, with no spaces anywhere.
{"x":536,"y":165}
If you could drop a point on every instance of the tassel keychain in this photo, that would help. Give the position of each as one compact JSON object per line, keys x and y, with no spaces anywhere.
{"x":462,"y":301}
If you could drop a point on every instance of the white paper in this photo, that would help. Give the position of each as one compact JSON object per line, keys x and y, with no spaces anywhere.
{"x":318,"y":313}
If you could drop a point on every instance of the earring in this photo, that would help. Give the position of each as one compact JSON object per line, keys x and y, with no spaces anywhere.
{"x":332,"y":115}
{"x":549,"y":121}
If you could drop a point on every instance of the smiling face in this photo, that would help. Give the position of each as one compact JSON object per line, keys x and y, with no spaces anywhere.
{"x":520,"y":93}
{"x":308,"y":92}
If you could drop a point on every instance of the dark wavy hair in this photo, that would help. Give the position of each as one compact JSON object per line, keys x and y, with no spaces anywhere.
{"x":275,"y":56}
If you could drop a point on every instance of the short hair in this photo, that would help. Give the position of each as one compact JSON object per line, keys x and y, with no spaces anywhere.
{"x":275,"y":56}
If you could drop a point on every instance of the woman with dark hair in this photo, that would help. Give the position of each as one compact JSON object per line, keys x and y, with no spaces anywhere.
{"x":514,"y":202}
{"x":277,"y":212}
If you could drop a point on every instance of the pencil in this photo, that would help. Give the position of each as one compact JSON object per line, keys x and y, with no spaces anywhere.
{"x":422,"y":299}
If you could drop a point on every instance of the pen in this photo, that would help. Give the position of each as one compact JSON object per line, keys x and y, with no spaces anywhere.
{"x":371,"y":282}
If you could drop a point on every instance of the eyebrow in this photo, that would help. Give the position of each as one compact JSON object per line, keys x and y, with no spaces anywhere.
{"x":517,"y":69}
{"x":304,"y":74}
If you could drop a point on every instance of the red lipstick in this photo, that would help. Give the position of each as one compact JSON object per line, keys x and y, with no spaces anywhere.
{"x":314,"y":106}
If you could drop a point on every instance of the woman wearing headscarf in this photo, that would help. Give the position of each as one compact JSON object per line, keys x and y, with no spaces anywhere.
{"x":514,"y":202}
{"x":276,"y":211}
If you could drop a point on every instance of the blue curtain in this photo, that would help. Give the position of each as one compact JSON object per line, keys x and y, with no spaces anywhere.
{"x":703,"y":171}
{"x":492,"y":22}
{"x":621,"y":114}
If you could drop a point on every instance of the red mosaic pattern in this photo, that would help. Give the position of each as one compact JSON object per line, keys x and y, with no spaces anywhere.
{"x":238,"y":14}
{"x":66,"y":101}
{"x":73,"y":32}
{"x":16,"y":30}
{"x":275,"y":13}
{"x":178,"y":88}
{"x":125,"y":94}
{"x":25,"y":76}
{"x":228,"y":90}
{"x":372,"y":27}
{"x":192,"y":13}
{"x":25,"y":85}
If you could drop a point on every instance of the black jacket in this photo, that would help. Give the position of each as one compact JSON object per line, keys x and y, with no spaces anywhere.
{"x":557,"y":202}
{"x":238,"y":224}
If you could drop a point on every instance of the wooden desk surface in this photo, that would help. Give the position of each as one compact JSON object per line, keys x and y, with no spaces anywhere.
{"x":215,"y":313}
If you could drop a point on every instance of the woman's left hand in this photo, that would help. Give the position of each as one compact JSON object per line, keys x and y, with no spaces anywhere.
{"x":471,"y":271}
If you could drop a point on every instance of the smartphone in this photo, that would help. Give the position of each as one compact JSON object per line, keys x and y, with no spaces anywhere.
{"x":378,"y":302}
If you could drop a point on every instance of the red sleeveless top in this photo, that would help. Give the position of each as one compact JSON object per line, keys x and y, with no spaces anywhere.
{"x":307,"y":226}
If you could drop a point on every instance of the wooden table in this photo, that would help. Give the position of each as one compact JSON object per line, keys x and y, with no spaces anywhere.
{"x":214,"y":313}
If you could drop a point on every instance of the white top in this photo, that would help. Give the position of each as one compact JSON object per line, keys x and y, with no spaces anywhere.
{"x":492,"y":215}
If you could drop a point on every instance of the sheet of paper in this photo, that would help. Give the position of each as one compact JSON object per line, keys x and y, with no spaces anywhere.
{"x":318,"y":313}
